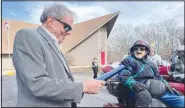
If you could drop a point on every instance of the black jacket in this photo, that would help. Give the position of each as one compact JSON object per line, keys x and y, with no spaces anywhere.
{"x":138,"y":71}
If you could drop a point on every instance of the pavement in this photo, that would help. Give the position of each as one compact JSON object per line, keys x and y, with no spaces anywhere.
{"x":9,"y":92}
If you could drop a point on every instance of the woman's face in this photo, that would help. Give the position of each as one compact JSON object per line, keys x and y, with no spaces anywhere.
{"x":139,"y":51}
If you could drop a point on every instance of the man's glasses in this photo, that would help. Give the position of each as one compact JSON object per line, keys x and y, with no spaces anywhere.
{"x":67,"y":27}
{"x":139,"y":48}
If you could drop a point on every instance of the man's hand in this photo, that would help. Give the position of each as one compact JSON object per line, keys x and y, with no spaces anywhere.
{"x":92,"y":86}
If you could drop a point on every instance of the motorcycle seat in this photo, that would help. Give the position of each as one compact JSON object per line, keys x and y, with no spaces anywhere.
{"x":155,"y":87}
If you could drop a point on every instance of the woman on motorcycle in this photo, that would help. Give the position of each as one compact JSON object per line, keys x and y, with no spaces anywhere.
{"x":139,"y":70}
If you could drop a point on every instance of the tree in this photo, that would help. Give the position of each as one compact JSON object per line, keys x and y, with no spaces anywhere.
{"x":180,"y":35}
{"x":166,"y":35}
{"x":120,"y":41}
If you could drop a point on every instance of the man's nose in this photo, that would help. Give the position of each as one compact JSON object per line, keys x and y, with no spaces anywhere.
{"x":138,"y":49}
{"x":68,"y":33}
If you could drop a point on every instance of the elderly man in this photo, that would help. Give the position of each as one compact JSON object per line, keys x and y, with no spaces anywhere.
{"x":156,"y":59}
{"x":43,"y":76}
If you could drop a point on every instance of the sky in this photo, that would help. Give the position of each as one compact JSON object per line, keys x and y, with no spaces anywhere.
{"x":130,"y":12}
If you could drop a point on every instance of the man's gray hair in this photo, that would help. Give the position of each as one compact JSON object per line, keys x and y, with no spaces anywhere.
{"x":58,"y":11}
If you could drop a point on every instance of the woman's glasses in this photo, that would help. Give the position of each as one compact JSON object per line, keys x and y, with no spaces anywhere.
{"x":139,"y":48}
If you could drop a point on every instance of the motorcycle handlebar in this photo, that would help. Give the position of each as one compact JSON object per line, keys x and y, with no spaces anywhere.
{"x":110,"y":74}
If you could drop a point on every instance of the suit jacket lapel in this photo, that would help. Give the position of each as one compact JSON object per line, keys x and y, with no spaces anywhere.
{"x":72,"y":78}
{"x":53,"y":46}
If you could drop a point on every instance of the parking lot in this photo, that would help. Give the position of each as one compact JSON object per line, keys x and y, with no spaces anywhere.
{"x":9,"y":92}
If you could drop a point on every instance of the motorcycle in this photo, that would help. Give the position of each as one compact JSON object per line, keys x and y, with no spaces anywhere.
{"x":113,"y":87}
{"x":173,"y":73}
{"x":175,"y":79}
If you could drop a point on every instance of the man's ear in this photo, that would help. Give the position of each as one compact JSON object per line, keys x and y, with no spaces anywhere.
{"x":49,"y":21}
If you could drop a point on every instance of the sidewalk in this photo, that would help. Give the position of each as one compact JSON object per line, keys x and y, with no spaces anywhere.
{"x":9,"y":92}
{"x":10,"y":72}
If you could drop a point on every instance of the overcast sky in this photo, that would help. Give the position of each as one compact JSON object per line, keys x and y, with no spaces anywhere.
{"x":130,"y":12}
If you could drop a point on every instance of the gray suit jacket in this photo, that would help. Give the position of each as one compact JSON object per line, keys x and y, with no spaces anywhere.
{"x":42,"y":78}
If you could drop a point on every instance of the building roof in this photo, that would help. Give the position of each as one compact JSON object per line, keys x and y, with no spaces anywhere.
{"x":80,"y":31}
{"x":84,"y":29}
{"x":15,"y":26}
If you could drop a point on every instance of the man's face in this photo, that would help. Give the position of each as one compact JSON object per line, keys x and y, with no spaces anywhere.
{"x":61,"y":28}
{"x":152,"y":51}
{"x":139,"y":51}
{"x":95,"y":60}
